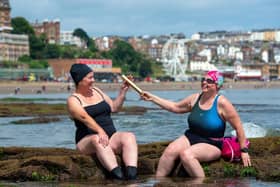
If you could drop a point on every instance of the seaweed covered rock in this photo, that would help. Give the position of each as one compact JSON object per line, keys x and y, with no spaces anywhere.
{"x":59,"y":164}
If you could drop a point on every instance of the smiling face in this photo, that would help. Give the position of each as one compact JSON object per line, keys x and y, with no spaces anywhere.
{"x":88,"y":80}
{"x":208,"y":84}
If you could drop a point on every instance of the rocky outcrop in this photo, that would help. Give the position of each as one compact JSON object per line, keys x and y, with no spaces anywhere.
{"x":51,"y":110}
{"x":59,"y":164}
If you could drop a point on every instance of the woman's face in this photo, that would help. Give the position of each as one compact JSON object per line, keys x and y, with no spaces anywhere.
{"x":88,"y":80}
{"x":207,"y":83}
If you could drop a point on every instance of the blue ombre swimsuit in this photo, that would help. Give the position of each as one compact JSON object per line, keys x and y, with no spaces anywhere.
{"x":205,"y":124}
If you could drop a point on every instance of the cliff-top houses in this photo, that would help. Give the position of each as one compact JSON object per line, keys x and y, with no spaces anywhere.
{"x":251,"y":50}
{"x":12,"y":46}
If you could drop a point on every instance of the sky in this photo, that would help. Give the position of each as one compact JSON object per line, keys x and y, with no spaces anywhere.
{"x":151,"y":17}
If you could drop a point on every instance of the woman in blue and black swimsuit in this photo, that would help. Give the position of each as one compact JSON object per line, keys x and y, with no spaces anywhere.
{"x":209,"y":113}
{"x":90,"y":108}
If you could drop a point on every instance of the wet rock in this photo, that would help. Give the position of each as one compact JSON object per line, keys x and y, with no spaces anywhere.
{"x":59,"y":164}
{"x":37,"y":120}
{"x":46,"y":110}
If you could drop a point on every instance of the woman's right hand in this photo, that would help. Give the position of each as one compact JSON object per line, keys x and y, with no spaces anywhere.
{"x":103,"y":138}
{"x":146,"y":96}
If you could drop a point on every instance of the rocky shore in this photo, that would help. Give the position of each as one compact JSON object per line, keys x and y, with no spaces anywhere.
{"x":59,"y":164}
{"x":58,"y":87}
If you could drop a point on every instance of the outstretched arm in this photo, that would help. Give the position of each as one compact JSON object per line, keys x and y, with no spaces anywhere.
{"x":182,"y":106}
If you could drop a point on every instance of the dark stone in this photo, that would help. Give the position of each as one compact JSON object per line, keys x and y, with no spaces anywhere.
{"x":59,"y":164}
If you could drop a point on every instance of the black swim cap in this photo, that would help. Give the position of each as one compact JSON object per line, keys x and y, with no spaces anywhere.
{"x":79,"y":71}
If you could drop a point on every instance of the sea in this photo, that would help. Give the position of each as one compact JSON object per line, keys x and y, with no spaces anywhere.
{"x":258,"y":109}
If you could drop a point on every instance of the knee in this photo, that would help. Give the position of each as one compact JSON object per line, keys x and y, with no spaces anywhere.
{"x":187,"y":156}
{"x":94,"y":140}
{"x":171,"y":151}
{"x":129,"y":137}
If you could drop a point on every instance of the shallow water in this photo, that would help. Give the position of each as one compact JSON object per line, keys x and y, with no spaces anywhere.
{"x":148,"y":181}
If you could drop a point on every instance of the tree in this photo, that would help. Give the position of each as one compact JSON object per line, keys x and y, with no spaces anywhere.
{"x":82,"y":35}
{"x":145,"y":68}
{"x":87,"y":40}
{"x":131,"y":61}
{"x":52,"y":51}
{"x":91,"y":46}
{"x":21,"y":26}
{"x":37,"y":45}
{"x":67,"y":51}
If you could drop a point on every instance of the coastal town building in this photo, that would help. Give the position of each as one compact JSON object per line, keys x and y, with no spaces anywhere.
{"x":139,"y":44}
{"x":200,"y":63}
{"x":67,"y":38}
{"x":103,"y":69}
{"x":51,"y":29}
{"x":277,"y":36}
{"x":105,"y":43}
{"x":5,"y":18}
{"x":12,"y":46}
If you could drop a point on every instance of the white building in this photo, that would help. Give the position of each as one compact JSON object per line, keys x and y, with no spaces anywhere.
{"x":207,"y":53}
{"x":265,"y":56}
{"x":201,"y":65}
{"x":13,"y":46}
{"x":232,"y":51}
{"x":277,"y":36}
{"x":277,"y":55}
{"x":195,"y":36}
{"x":239,"y":55}
{"x":221,"y":50}
{"x":67,"y":38}
{"x":243,"y":73}
{"x":257,"y":35}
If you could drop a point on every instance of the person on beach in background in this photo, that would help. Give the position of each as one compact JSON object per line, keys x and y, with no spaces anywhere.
{"x":202,"y":142}
{"x":91,"y":108}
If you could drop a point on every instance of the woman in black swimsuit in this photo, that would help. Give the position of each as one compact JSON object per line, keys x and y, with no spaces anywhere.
{"x":91,"y":110}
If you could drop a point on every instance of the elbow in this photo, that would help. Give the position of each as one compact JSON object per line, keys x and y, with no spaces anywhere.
{"x":114,"y":109}
{"x":81,"y":117}
{"x":174,"y":110}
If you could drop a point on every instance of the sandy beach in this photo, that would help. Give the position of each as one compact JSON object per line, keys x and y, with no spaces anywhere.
{"x":59,"y":87}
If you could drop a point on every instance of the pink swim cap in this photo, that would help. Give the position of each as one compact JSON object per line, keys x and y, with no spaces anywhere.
{"x":217,"y":77}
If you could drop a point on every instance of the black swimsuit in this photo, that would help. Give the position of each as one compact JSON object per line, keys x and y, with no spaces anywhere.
{"x":101,"y":113}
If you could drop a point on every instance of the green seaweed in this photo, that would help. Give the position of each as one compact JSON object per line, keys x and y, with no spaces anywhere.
{"x":15,"y":99}
{"x":248,"y":172}
{"x":229,"y":170}
{"x":38,"y":177}
{"x":206,"y":169}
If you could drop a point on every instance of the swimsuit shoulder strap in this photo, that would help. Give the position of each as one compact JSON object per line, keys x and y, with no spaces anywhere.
{"x":77,"y":98}
{"x":198,"y":99}
{"x":98,"y":91}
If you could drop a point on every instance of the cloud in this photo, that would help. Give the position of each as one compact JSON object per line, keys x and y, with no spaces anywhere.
{"x":129,"y":17}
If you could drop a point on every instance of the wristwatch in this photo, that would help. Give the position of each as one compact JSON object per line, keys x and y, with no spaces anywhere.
{"x":244,"y":150}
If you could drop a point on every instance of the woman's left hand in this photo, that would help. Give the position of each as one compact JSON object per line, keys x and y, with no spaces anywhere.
{"x":246,"y":159}
{"x":125,"y":85}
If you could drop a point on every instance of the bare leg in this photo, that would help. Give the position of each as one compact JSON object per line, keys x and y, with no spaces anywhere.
{"x":125,"y":143}
{"x":90,"y":145}
{"x":197,"y":153}
{"x":170,"y":154}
